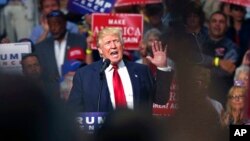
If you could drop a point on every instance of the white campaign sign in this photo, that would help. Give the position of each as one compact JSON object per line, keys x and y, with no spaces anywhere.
{"x":11,"y":55}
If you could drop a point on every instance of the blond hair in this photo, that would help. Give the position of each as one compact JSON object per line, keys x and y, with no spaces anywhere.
{"x":109,"y":31}
{"x":226,"y":116}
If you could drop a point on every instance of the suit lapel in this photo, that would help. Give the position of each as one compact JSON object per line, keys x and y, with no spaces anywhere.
{"x":51,"y":52}
{"x":105,"y":101}
{"x":67,"y":47}
{"x":135,"y":82}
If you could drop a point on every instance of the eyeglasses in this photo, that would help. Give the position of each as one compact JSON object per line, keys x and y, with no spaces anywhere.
{"x":239,"y":97}
{"x":238,"y":83}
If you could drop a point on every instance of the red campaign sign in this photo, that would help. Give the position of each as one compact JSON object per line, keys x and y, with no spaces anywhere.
{"x":170,"y":107}
{"x":131,"y":25}
{"x":135,"y":2}
{"x":245,"y":3}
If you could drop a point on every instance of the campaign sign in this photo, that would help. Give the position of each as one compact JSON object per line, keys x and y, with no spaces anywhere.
{"x":170,"y":107}
{"x":245,"y":3}
{"x":91,"y":121}
{"x":239,"y":132}
{"x":131,"y":25}
{"x":90,"y":6}
{"x":2,"y":2}
{"x":11,"y":56}
{"x":135,"y":2}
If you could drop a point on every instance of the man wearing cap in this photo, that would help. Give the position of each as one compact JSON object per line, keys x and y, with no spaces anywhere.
{"x":52,"y":52}
{"x":41,"y":31}
{"x":68,"y":71}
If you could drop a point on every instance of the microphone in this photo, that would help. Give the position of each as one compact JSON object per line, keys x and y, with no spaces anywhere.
{"x":104,"y":66}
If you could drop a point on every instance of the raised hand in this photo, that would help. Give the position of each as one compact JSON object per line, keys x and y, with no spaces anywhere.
{"x":246,"y":58}
{"x":227,"y":65}
{"x":159,"y":58}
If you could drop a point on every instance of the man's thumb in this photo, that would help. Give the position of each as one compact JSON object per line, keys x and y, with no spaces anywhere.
{"x":149,"y":58}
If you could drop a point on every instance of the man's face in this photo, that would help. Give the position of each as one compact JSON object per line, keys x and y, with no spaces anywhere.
{"x":57,"y":26}
{"x":31,"y":67}
{"x":217,"y":26}
{"x":48,"y":6}
{"x":155,"y":20}
{"x":111,"y":48}
{"x":193,"y":20}
{"x":238,"y":14}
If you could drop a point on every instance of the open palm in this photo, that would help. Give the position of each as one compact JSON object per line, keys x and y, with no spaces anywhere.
{"x":159,"y":58}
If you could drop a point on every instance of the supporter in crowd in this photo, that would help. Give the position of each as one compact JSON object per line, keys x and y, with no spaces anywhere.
{"x":52,"y":51}
{"x":5,"y":40}
{"x":31,"y":67}
{"x":197,"y":33}
{"x":220,"y":55}
{"x":241,"y":76}
{"x":68,"y":71}
{"x":18,"y":18}
{"x":202,"y":81}
{"x":194,"y":109}
{"x":225,"y":8}
{"x":174,"y":12}
{"x":209,"y":7}
{"x":150,"y":37}
{"x":194,"y":19}
{"x":239,"y":29}
{"x":246,"y":58}
{"x":235,"y":113}
{"x":42,"y":31}
{"x":154,"y":12}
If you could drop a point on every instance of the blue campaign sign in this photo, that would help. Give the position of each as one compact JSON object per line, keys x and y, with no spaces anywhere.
{"x":90,"y":6}
{"x":2,"y":2}
{"x":91,"y":121}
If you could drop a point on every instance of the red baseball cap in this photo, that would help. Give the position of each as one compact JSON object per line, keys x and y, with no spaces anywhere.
{"x":76,"y":53}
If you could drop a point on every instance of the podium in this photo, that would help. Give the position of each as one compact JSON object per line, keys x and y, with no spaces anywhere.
{"x":91,"y":121}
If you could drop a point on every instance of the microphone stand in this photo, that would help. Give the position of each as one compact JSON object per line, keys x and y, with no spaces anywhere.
{"x":106,"y":63}
{"x":102,"y":78}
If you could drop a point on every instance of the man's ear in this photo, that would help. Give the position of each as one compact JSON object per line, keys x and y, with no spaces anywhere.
{"x":100,"y":51}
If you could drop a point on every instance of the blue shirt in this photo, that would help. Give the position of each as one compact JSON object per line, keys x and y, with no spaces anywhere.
{"x":38,"y":30}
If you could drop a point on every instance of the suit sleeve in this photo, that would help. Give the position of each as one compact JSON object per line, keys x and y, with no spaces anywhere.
{"x":75,"y":97}
{"x":162,"y":86}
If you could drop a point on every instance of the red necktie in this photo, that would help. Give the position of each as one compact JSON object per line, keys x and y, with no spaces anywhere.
{"x":120,"y":100}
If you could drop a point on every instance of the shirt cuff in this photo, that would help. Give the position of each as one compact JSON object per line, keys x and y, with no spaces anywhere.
{"x":167,"y":69}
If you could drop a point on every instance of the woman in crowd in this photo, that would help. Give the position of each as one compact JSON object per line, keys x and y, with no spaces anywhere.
{"x":241,"y":76}
{"x":235,"y":113}
{"x":238,"y":30}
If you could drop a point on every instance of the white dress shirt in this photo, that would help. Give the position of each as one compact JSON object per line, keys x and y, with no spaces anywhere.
{"x":60,"y":49}
{"x":126,"y":82}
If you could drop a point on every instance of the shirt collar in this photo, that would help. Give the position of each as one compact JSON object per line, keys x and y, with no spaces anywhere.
{"x":120,"y":65}
{"x":64,"y":39}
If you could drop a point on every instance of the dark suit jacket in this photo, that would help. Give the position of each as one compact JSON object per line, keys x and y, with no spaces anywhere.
{"x":46,"y":54}
{"x":87,"y":86}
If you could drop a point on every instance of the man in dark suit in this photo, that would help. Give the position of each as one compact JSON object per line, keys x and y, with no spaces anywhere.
{"x":94,"y":91}
{"x":52,"y":52}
